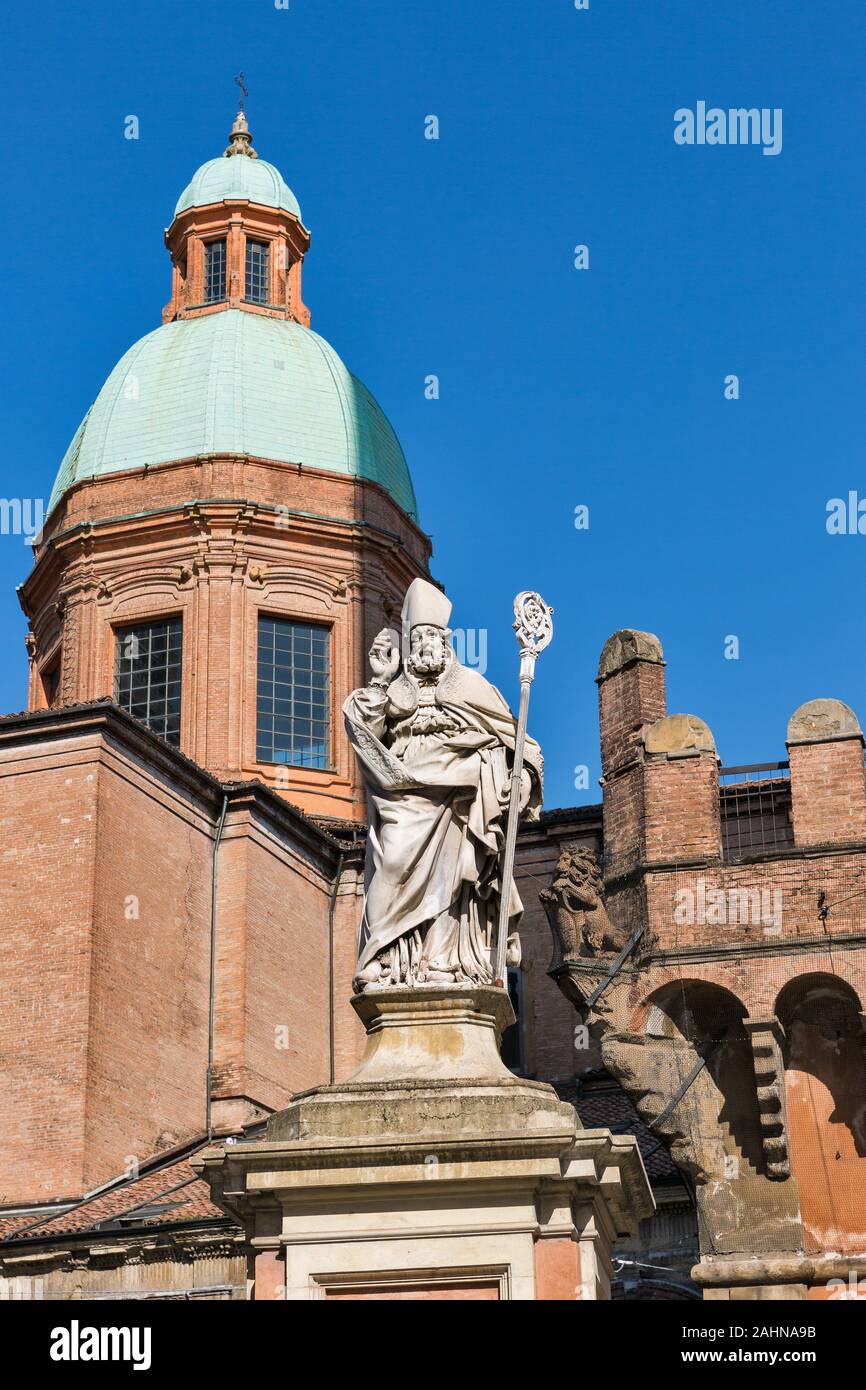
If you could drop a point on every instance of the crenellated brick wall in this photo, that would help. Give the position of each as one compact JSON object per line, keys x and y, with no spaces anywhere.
{"x":753,"y":953}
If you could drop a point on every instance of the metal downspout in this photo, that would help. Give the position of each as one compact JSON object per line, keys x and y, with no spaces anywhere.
{"x":212,"y":990}
{"x":338,"y":874}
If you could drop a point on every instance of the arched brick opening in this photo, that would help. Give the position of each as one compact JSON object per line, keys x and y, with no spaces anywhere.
{"x":711,"y":1019}
{"x":825,"y":1084}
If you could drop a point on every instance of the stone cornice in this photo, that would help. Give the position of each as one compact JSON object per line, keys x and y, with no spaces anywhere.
{"x":736,"y":951}
{"x":239,"y":510}
{"x":352,"y":482}
{"x":160,"y":1241}
{"x":234,"y":521}
{"x":639,"y":874}
{"x":206,"y":218}
{"x":782,"y":1268}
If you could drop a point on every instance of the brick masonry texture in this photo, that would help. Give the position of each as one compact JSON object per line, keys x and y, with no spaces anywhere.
{"x":105,"y":1039}
{"x":104,"y":1034}
{"x":779,"y":935}
{"x":105,"y":1044}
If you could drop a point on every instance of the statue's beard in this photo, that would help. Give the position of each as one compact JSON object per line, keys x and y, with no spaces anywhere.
{"x":429,"y":660}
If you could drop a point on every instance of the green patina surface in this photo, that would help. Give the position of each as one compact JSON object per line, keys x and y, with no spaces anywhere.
{"x":238,"y":177}
{"x":240,"y":383}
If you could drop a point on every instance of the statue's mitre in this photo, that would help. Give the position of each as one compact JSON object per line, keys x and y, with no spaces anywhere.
{"x":424,"y":603}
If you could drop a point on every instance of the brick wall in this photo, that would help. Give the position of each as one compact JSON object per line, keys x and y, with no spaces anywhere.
{"x":828,"y":792}
{"x":105,"y":926}
{"x":547,"y":1020}
{"x":780,"y":934}
{"x":48,"y":801}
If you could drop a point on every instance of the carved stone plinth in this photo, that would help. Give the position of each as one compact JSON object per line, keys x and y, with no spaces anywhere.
{"x":432,"y":1172}
{"x":432,"y":1032}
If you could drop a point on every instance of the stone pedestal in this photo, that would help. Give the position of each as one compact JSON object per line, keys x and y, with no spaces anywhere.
{"x":432,"y":1172}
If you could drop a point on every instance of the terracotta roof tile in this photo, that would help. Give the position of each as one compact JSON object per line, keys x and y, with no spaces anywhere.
{"x":165,"y":1194}
{"x":608,"y":1107}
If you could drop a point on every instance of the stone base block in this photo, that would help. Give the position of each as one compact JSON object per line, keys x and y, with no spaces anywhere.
{"x":432,"y":1173}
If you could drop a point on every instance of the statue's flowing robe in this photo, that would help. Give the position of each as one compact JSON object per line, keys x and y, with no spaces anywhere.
{"x":437,"y":765}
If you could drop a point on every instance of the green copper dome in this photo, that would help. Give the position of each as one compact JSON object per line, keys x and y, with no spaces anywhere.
{"x":239,"y":383}
{"x":238,"y":177}
{"x":239,"y":173}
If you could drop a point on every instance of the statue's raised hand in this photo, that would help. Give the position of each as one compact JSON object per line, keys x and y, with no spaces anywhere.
{"x":384,"y":659}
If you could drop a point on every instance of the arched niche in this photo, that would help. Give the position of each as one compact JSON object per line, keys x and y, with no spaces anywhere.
{"x":825,"y":1083}
{"x":824,"y":1039}
{"x":711,"y":1019}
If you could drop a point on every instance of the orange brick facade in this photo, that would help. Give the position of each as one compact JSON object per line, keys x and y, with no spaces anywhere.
{"x":106,"y":900}
{"x":108,"y":1045}
{"x":757,"y":951}
{"x":760,"y":949}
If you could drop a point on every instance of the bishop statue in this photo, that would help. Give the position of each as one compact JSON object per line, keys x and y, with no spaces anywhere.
{"x":436,"y":744}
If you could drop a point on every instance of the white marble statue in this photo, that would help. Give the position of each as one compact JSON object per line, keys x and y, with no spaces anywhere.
{"x":435,"y":742}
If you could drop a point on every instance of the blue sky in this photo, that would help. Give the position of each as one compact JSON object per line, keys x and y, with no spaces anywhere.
{"x":455,"y":257}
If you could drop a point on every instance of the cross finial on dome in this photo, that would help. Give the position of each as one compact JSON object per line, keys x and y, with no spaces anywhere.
{"x":240,"y":140}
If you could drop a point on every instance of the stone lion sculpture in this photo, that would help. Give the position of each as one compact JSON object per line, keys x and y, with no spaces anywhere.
{"x":574,"y":903}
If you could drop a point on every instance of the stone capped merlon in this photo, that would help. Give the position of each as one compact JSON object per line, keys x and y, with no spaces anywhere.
{"x":626,"y":646}
{"x":819,"y":721}
{"x":679,"y":733}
